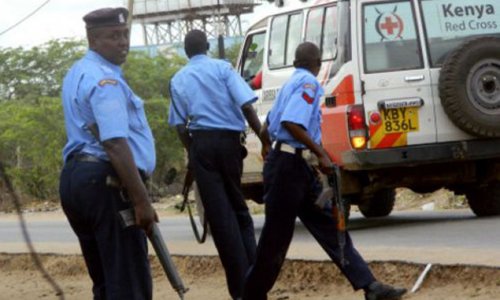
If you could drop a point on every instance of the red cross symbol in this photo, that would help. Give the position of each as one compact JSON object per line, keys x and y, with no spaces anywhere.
{"x":389,"y":25}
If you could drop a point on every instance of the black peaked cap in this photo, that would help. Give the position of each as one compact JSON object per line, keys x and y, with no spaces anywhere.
{"x":105,"y":17}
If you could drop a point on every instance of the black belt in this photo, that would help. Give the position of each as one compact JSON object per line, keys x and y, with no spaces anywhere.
{"x":213,"y":133}
{"x":87,"y":158}
{"x":84,"y":157}
{"x":279,"y":146}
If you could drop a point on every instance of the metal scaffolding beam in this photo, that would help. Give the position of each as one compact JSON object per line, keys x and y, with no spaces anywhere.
{"x":169,"y":32}
{"x":168,"y":21}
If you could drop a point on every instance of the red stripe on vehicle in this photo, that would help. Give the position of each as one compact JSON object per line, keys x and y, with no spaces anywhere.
{"x":388,"y":140}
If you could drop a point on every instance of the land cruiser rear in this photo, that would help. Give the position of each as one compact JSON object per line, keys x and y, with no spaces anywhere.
{"x":412,"y":94}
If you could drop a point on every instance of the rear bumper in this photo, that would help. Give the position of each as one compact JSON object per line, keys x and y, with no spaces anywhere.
{"x":422,"y":155}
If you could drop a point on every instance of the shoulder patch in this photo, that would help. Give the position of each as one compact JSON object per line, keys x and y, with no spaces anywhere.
{"x":308,"y":98}
{"x":309,"y":92}
{"x":309,"y":86}
{"x":108,"y":81}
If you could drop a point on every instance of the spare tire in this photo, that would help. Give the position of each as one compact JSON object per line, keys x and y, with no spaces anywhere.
{"x":469,"y":87}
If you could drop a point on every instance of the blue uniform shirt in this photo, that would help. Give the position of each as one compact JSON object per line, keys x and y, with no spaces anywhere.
{"x":209,"y":94}
{"x":297,"y":102}
{"x":95,"y":92}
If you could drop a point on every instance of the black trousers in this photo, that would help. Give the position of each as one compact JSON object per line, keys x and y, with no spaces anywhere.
{"x":290,"y":188}
{"x":116,"y":257}
{"x":216,"y":157}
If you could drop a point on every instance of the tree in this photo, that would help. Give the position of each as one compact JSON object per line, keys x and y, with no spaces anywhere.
{"x":230,"y":52}
{"x":29,"y":74}
{"x":149,"y":77}
{"x":31,"y":140}
{"x":169,"y":150}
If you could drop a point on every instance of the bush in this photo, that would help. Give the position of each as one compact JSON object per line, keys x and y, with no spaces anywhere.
{"x":32,"y":137}
{"x":169,"y":150}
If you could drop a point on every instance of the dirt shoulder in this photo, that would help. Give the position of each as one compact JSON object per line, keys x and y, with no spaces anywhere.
{"x":204,"y":277}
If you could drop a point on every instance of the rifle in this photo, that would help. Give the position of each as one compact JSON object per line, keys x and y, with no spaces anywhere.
{"x":333,"y":194}
{"x":338,"y":210}
{"x":161,"y":250}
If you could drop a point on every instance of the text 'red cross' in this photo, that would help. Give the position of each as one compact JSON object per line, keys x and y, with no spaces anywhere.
{"x":389,"y":25}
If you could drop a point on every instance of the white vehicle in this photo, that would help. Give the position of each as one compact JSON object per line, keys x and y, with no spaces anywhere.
{"x":412,"y":94}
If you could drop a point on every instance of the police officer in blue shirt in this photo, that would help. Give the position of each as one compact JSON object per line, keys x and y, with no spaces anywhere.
{"x":108,"y":140}
{"x":209,"y":105}
{"x":290,"y":185}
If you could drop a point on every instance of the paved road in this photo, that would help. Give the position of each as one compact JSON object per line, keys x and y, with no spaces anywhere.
{"x":447,"y":237}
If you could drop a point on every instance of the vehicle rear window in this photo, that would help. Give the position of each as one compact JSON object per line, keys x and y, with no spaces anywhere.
{"x":328,"y":45}
{"x":449,"y":23}
{"x":321,"y":29}
{"x":314,"y":26}
{"x":284,"y":38}
{"x":293,"y":39}
{"x":277,"y":42}
{"x":390,"y":39}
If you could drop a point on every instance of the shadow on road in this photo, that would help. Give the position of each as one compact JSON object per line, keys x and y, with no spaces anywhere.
{"x":417,"y":218}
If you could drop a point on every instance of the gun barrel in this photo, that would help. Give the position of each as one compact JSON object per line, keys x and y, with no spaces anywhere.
{"x":166,"y":261}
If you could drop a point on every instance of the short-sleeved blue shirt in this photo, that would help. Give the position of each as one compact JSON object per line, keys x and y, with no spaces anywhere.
{"x":209,"y":94}
{"x":297,"y":102}
{"x":95,"y":92}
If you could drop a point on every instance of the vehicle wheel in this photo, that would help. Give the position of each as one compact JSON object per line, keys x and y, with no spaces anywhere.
{"x":469,"y":87}
{"x":379,"y":205}
{"x":485,"y":200}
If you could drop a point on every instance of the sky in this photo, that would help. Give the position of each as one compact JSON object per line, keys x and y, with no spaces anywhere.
{"x":58,"y":19}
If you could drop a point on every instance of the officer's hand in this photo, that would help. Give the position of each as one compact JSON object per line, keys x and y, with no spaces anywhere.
{"x":325,"y":165}
{"x":264,"y":151}
{"x":145,"y":216}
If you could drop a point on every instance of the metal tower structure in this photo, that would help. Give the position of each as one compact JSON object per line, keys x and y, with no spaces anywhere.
{"x":168,"y":21}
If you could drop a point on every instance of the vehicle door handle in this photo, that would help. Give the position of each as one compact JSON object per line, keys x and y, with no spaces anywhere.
{"x":414,"y":78}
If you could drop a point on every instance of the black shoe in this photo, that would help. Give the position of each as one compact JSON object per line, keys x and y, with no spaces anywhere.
{"x":379,"y":291}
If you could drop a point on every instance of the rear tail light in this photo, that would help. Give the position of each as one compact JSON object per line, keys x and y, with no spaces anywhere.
{"x":357,"y":126}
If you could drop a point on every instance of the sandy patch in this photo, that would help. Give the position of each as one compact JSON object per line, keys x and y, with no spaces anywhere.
{"x":204,"y":277}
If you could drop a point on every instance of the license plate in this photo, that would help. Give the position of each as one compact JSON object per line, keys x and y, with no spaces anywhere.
{"x":400,"y":120}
